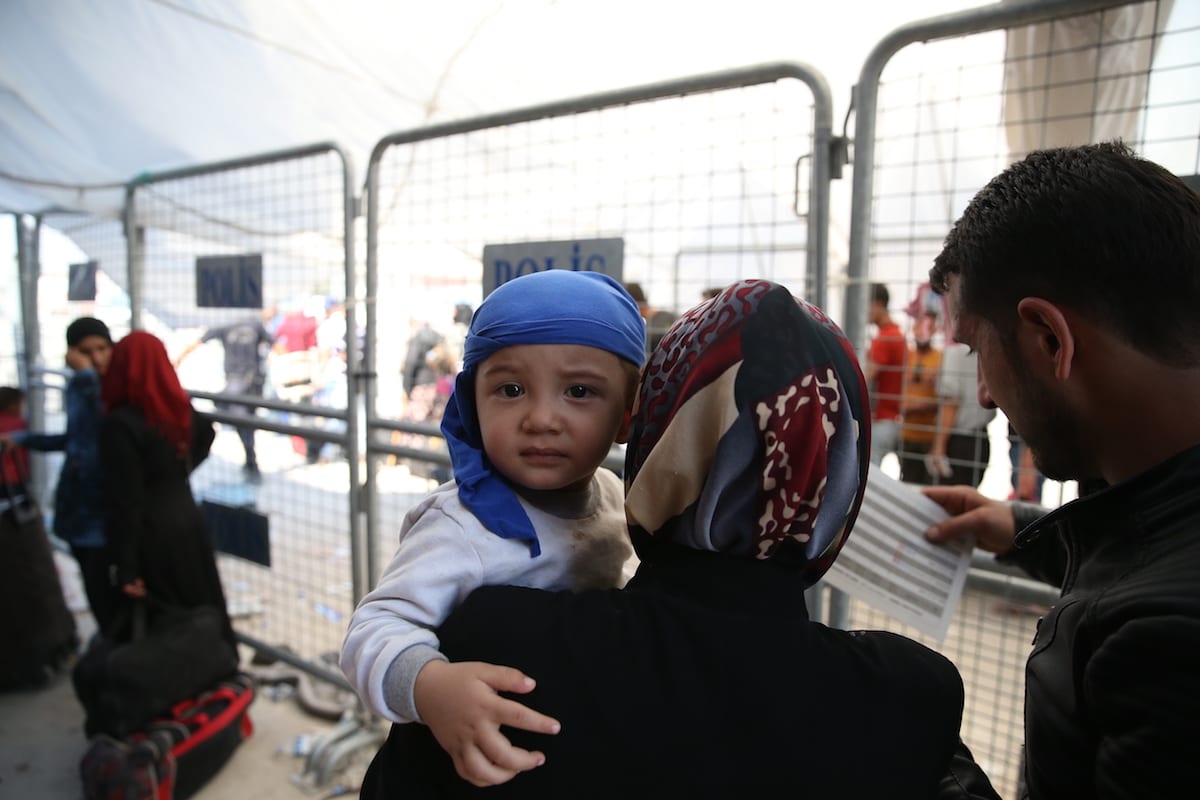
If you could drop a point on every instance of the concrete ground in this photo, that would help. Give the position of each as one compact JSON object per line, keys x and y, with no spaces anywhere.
{"x":42,"y":742}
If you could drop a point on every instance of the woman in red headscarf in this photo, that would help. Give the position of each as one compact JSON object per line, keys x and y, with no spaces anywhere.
{"x":150,"y":441}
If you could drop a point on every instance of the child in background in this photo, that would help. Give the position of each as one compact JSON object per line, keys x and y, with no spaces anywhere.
{"x":12,"y":420}
{"x":549,"y":373}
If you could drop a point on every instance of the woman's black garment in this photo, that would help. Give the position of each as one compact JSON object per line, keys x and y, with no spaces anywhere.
{"x":702,"y":678}
{"x":155,"y":530}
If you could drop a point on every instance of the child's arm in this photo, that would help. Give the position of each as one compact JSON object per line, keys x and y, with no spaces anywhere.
{"x":42,"y":442}
{"x":460,"y":704}
{"x":391,"y":634}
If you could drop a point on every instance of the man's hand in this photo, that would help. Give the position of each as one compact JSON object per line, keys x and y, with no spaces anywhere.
{"x":990,"y":521}
{"x":460,"y":704}
{"x":76,"y":359}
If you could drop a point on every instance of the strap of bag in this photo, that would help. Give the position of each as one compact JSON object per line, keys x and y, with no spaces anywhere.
{"x":139,"y":614}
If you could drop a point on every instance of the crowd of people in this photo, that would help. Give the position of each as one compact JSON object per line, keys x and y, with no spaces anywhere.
{"x":123,"y":501}
{"x":518,"y":648}
{"x":924,"y":408}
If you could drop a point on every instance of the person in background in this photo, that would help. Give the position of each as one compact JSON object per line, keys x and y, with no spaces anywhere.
{"x":330,"y":388}
{"x":704,"y":676}
{"x":548,"y":379}
{"x":639,"y":296}
{"x":297,"y":332}
{"x":657,"y":325}
{"x":245,"y":345}
{"x":885,"y":375}
{"x":1026,"y":479}
{"x":150,"y":441}
{"x":417,"y":371}
{"x":919,"y":405}
{"x":79,"y":500}
{"x":296,"y":366}
{"x":961,"y":449}
{"x":456,"y":336}
{"x":1075,"y":276}
{"x":422,"y":405}
{"x":12,"y":420}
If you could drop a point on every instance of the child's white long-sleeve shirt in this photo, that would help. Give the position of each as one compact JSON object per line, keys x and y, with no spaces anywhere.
{"x":445,"y":552}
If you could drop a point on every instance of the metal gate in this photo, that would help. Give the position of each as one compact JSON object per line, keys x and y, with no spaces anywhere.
{"x":703,"y":180}
{"x":240,"y":241}
{"x":943,"y":105}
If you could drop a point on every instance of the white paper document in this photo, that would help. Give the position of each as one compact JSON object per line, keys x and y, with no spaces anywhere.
{"x":888,"y":564}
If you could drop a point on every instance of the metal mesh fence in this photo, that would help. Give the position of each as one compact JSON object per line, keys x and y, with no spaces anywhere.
{"x":705,"y":182}
{"x":67,"y":242}
{"x":10,"y":309}
{"x":988,"y":642}
{"x":241,"y":268}
{"x":952,"y":111}
{"x":101,"y":242}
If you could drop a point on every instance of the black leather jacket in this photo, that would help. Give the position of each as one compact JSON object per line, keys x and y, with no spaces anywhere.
{"x":1112,"y":709}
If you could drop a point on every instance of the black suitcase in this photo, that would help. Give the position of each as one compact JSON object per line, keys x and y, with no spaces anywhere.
{"x":38,"y":631}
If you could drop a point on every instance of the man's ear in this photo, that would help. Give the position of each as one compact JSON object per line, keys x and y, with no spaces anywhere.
{"x":623,"y":431}
{"x":1052,"y":333}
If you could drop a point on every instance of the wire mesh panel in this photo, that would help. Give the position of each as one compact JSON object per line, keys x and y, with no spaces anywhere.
{"x":988,"y":642}
{"x":950,"y":111}
{"x":243,"y":270}
{"x":954,"y":112}
{"x":701,"y":183}
{"x":81,"y":266}
{"x":10,"y":308}
{"x":91,"y":281}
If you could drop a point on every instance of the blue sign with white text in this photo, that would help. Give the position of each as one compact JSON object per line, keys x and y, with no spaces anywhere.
{"x":503,"y":262}
{"x":229,"y":281}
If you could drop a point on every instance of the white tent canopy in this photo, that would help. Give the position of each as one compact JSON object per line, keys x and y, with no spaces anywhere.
{"x":93,"y":94}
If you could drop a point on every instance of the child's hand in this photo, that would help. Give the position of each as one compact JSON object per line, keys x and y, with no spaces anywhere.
{"x":460,"y":704}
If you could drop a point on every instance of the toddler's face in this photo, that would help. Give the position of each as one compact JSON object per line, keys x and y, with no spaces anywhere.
{"x":548,"y":414}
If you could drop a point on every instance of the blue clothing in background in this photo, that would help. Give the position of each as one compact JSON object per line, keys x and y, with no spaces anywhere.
{"x":78,"y":503}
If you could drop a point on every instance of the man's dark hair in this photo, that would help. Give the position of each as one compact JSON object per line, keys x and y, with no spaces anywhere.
{"x":1091,"y":228}
{"x":879,"y":294}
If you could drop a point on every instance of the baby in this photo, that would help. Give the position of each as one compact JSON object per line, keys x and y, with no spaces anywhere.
{"x":550,"y":368}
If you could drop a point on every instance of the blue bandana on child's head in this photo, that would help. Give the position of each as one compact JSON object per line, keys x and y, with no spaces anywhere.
{"x":552,"y":307}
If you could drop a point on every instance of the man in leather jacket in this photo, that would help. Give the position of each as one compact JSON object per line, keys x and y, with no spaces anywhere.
{"x":1075,"y":275}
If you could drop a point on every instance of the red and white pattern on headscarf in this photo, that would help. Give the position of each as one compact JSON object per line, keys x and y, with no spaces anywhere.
{"x":751,"y":435}
{"x":140,"y":375}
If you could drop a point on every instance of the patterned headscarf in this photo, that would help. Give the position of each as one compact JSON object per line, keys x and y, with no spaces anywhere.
{"x":140,"y":375}
{"x":751,"y":434}
{"x":551,"y":307}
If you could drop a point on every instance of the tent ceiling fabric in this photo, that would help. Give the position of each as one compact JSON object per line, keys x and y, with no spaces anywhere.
{"x":93,"y":94}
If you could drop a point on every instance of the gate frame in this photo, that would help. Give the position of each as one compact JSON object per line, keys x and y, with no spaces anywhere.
{"x":825,"y":148}
{"x":865,"y":103}
{"x":135,"y":269}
